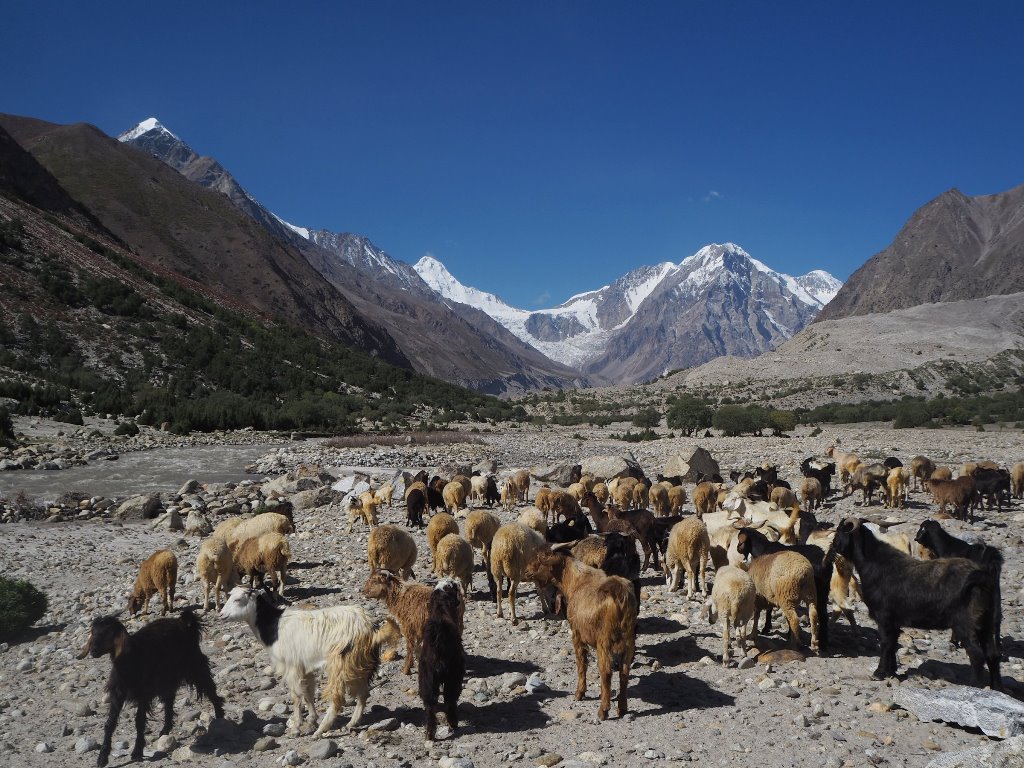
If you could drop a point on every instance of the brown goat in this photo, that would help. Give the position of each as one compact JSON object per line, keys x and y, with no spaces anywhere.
{"x":705,"y":497}
{"x":157,"y":574}
{"x":602,"y":615}
{"x":408,"y":603}
{"x":959,"y":492}
{"x":921,"y":468}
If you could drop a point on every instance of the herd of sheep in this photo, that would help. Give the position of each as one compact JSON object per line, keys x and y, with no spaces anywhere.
{"x":581,"y":547}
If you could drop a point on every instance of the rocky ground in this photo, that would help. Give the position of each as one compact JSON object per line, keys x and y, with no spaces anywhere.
{"x":517,"y":706}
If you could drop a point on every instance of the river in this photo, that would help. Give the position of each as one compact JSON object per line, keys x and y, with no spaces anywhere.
{"x":154,"y":471}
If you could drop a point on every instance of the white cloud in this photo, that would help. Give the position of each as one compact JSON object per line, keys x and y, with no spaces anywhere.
{"x":542,"y":300}
{"x":713,"y":195}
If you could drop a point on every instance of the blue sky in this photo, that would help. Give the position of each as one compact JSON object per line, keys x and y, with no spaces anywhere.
{"x":545,"y":148}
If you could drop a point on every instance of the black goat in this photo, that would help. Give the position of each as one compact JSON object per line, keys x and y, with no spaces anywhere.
{"x":822,"y":474}
{"x":415,"y":506}
{"x":622,"y":559}
{"x":569,"y":530}
{"x":949,"y":593}
{"x":491,"y":494}
{"x":750,"y":542}
{"x":993,"y":485}
{"x":768,"y":473}
{"x":442,"y":663}
{"x":759,"y":490}
{"x":892,"y":462}
{"x":662,"y":529}
{"x":153,"y":663}
{"x":932,"y":535}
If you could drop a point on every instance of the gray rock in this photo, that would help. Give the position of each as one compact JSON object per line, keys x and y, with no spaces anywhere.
{"x":42,"y":747}
{"x":291,"y":757}
{"x":486,"y":467}
{"x":559,"y":474}
{"x":691,"y":462}
{"x":996,"y":714}
{"x":608,"y":467}
{"x":192,"y":486}
{"x":1003,"y":754}
{"x":322,"y":750}
{"x":274,"y":729}
{"x":387,"y":724}
{"x":142,"y":507}
{"x":165,"y":743}
{"x":168,"y":521}
{"x":265,"y":744}
{"x":86,"y":744}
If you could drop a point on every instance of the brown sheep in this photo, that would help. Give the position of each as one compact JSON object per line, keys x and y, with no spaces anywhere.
{"x":941,"y":473}
{"x":602,"y":615}
{"x":896,"y":484}
{"x":267,"y":553}
{"x":786,"y":579}
{"x":440,"y":525}
{"x":407,"y":602}
{"x":454,"y":557}
{"x":565,"y":505}
{"x":658,"y":498}
{"x":543,"y":500}
{"x":688,"y":548}
{"x":388,"y":546}
{"x":784,"y":497}
{"x":454,"y":495}
{"x":600,"y":490}
{"x":520,"y":486}
{"x":363,"y":507}
{"x":157,"y":574}
{"x":214,"y":567}
{"x":676,"y":499}
{"x":480,"y":529}
{"x":705,"y":497}
{"x":1017,"y":480}
{"x":590,"y":550}
{"x":513,"y":548}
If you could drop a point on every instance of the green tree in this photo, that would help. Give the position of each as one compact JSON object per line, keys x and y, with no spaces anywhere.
{"x":781,"y":421}
{"x":736,"y":420}
{"x":21,"y":606}
{"x":647,"y":419}
{"x":689,"y":414}
{"x":6,"y":428}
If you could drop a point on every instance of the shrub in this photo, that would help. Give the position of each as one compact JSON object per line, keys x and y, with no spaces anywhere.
{"x":6,"y":427}
{"x":21,"y":606}
{"x":128,"y":428}
{"x":647,"y":419}
{"x":72,"y":416}
{"x":689,"y":414}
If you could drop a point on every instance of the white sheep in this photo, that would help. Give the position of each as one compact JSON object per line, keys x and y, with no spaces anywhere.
{"x":732,"y":598}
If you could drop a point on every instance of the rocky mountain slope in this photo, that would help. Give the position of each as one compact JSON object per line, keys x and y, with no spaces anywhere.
{"x":953,"y":248}
{"x":656,"y":318}
{"x":454,"y":344}
{"x":179,"y":226}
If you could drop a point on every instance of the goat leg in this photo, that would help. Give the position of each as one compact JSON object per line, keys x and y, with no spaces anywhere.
{"x":140,"y":729}
{"x":116,"y":703}
{"x":604,"y":669}
{"x":888,"y":638}
{"x":168,"y":702}
{"x":581,"y":666}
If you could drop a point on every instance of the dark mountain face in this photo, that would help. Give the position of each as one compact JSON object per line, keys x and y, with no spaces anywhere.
{"x":177,"y":225}
{"x":447,"y":343}
{"x":953,"y":248}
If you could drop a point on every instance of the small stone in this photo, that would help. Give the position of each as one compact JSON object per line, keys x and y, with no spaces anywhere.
{"x":879,"y":706}
{"x":549,"y":759}
{"x":568,"y":714}
{"x":592,"y":757}
{"x":280,"y":709}
{"x":929,"y":744}
{"x":25,"y":665}
{"x":43,"y":747}
{"x":766,"y":684}
{"x":265,"y":744}
{"x":165,"y":743}
{"x":183,"y":754}
{"x":82,"y":709}
{"x":747,"y":662}
{"x":291,"y":757}
{"x":387,"y":724}
{"x":86,"y":744}
{"x":323,"y":750}
{"x":801,"y":720}
{"x":265,"y":705}
{"x":274,"y":729}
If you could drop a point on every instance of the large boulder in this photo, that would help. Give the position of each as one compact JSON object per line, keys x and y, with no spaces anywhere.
{"x":994,"y":713}
{"x":142,"y":507}
{"x":486,"y":467}
{"x":996,"y":754}
{"x":314,"y":497}
{"x":690,"y":463}
{"x":609,"y":467}
{"x":168,"y":521}
{"x":560,"y":474}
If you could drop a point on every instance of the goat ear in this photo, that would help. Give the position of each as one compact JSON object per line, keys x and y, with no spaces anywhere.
{"x":119,"y":643}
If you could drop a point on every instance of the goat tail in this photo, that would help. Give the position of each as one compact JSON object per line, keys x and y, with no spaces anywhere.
{"x":386,"y":639}
{"x":357,"y":661}
{"x":621,"y":593}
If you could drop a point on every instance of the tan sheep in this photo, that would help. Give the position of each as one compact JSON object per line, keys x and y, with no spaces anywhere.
{"x":216,"y":569}
{"x":640,"y":496}
{"x":564,"y":505}
{"x":520,"y":483}
{"x":940,"y":473}
{"x":1017,"y":480}
{"x":363,"y":508}
{"x":508,"y":493}
{"x":454,"y":495}
{"x":407,"y":602}
{"x":481,"y":526}
{"x":733,"y":597}
{"x":267,"y":522}
{"x":786,"y":579}
{"x":535,"y":519}
{"x":478,"y":491}
{"x":157,"y":574}
{"x":265,"y":554}
{"x":225,"y":528}
{"x":896,"y":484}
{"x":784,"y":497}
{"x":454,"y":557}
{"x":576,"y":490}
{"x":676,"y":499}
{"x":544,"y":499}
{"x":658,"y":497}
{"x":384,"y":495}
{"x":811,"y":492}
{"x":513,"y":548}
{"x":688,"y":548}
{"x":466,"y":483}
{"x":587,"y":481}
{"x":440,"y":525}
{"x":600,"y":490}
{"x":388,"y":546}
{"x":622,"y":496}
{"x":705,"y":497}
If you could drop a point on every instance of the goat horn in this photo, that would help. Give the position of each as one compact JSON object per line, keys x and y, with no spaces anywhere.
{"x":564,"y":546}
{"x":86,"y":650}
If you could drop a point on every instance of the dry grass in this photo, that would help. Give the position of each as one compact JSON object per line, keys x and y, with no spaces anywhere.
{"x":407,"y":438}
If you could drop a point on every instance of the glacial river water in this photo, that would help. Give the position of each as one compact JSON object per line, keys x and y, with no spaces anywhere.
{"x":157,"y":470}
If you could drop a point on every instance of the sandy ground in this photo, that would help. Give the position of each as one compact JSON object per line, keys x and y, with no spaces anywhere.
{"x":683,"y":706}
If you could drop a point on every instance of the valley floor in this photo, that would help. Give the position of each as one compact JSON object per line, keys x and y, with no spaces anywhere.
{"x":683,"y":706}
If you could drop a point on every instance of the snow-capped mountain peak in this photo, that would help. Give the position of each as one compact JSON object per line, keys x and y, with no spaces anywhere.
{"x":147,"y":125}
{"x":436,"y":275}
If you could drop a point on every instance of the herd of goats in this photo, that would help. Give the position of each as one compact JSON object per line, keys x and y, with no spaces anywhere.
{"x":579,"y":546}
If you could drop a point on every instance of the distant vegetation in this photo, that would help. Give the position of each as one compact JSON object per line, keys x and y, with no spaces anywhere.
{"x":21,"y":606}
{"x":95,"y":344}
{"x":918,"y":412}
